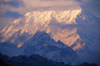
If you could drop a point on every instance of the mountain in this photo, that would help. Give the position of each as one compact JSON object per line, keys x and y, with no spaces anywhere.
{"x":52,"y":22}
{"x":10,"y":49}
{"x":33,"y":60}
{"x":79,"y":29}
{"x":42,"y":44}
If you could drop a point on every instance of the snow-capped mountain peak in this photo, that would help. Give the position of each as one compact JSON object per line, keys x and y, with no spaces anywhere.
{"x":50,"y":22}
{"x":67,"y":17}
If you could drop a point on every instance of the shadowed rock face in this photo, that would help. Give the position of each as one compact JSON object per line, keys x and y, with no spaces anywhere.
{"x":42,"y":44}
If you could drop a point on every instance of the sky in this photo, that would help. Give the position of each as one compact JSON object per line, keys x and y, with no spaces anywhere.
{"x":14,"y":9}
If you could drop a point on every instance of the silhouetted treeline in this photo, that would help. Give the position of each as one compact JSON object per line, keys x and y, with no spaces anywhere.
{"x":33,"y":60}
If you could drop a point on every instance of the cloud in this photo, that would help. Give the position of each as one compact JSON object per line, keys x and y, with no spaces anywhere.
{"x":31,"y":5}
{"x":24,"y":6}
{"x":92,"y":6}
{"x":13,"y":3}
{"x":94,"y":1}
{"x":5,"y":21}
{"x":9,"y":8}
{"x":49,"y":3}
{"x":11,"y":14}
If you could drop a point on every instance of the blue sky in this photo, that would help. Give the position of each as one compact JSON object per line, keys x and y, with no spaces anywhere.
{"x":13,"y":9}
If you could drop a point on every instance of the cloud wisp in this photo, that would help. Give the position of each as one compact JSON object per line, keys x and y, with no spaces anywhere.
{"x":10,"y":14}
{"x":13,"y":3}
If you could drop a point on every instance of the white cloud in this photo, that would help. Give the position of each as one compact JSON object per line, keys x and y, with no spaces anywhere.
{"x":40,"y":3}
{"x":30,"y":5}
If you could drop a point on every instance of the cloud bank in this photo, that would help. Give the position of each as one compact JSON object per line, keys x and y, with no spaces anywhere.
{"x":18,"y":8}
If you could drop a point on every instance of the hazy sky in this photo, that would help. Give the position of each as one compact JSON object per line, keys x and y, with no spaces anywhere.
{"x":13,"y":9}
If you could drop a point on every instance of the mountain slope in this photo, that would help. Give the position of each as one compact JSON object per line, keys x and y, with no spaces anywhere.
{"x":10,"y":49}
{"x":42,"y":44}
